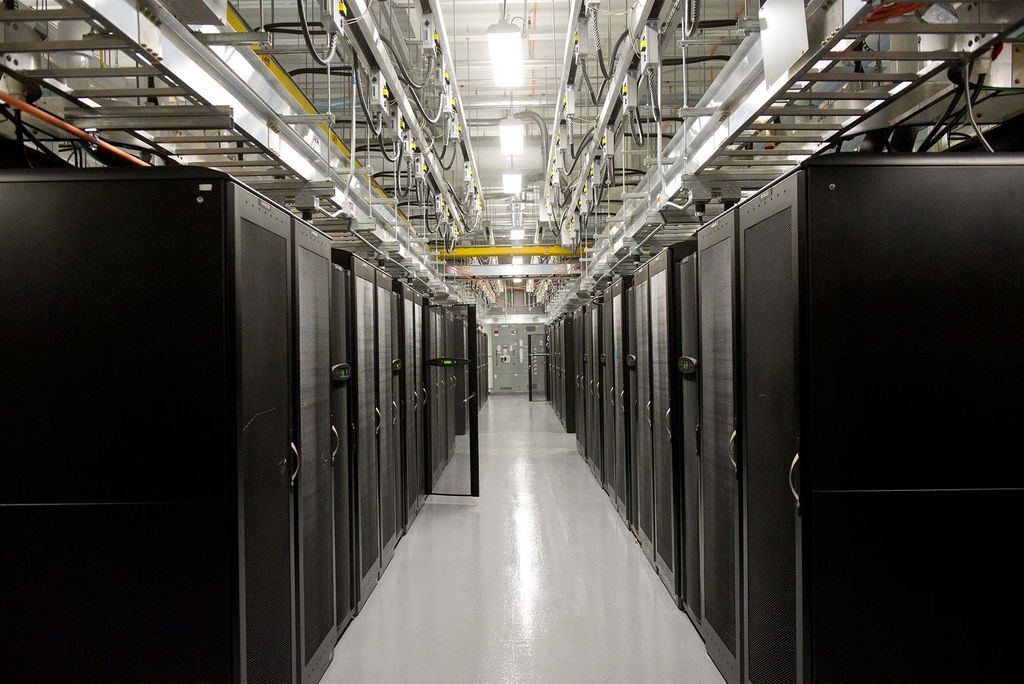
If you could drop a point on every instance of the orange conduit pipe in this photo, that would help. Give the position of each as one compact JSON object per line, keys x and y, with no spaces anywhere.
{"x":65,"y":126}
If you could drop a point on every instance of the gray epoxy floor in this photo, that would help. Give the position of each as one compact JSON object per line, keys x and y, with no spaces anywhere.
{"x":538,"y":581}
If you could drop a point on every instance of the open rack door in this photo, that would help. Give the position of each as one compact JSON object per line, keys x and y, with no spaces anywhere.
{"x":456,"y":462}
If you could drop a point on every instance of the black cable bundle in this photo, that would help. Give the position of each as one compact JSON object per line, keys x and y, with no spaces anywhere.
{"x":308,"y":38}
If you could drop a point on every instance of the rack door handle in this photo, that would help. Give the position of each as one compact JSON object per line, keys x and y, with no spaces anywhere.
{"x":649,"y":421}
{"x":611,"y":395}
{"x":415,"y":401}
{"x":337,"y":443}
{"x":792,"y":488}
{"x":376,"y":429}
{"x":295,"y":473}
{"x":732,"y":451}
{"x":622,"y":401}
{"x":394,"y":412}
{"x":668,"y":424}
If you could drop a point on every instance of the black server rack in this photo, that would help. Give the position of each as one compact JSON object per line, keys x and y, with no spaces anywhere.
{"x":633,"y":414}
{"x":686,"y":424}
{"x":420,"y":398}
{"x":462,"y":376}
{"x":579,"y":377}
{"x":644,"y":467}
{"x":666,"y":474}
{"x":673,"y":417}
{"x":314,"y":479}
{"x":438,"y":430}
{"x":607,"y":394}
{"x":589,"y":363}
{"x":720,"y":494}
{"x":342,"y":428}
{"x":387,"y":415}
{"x":397,"y":421}
{"x":567,"y":382}
{"x":156,"y":331}
{"x":450,"y":345}
{"x":621,"y":396}
{"x":411,"y":364}
{"x":551,"y":347}
{"x":879,"y":352}
{"x":363,"y":418}
{"x":555,"y":340}
{"x":596,"y":405}
{"x":551,"y":340}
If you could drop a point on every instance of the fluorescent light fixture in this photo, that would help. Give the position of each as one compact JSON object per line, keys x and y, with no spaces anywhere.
{"x":512,"y":133}
{"x":505,"y":41}
{"x":517,"y":233}
{"x":517,"y":261}
{"x":512,"y":183}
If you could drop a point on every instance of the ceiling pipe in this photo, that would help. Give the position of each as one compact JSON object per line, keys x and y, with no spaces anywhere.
{"x":530,"y":115}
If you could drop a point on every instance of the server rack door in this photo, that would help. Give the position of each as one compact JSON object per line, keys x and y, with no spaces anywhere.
{"x":768,"y":352}
{"x":264,"y":319}
{"x":557,"y":386}
{"x":594,"y":416}
{"x":579,"y":386}
{"x":588,"y":387}
{"x":420,"y":388}
{"x":451,"y":346}
{"x":437,"y":425}
{"x":568,"y":384}
{"x":686,"y":364}
{"x":621,"y":397}
{"x":314,"y":479}
{"x":917,"y":503}
{"x":397,"y":416}
{"x":452,"y":417}
{"x":388,"y":464}
{"x":608,"y":395}
{"x":666,"y":551}
{"x":633,"y":412}
{"x":461,"y":378}
{"x":410,"y":406}
{"x":644,"y":446}
{"x":552,"y":338}
{"x":364,"y":351}
{"x":98,"y":365}
{"x":263,"y":299}
{"x":599,"y":385}
{"x":430,"y":398}
{"x":344,"y":560}
{"x":720,"y":503}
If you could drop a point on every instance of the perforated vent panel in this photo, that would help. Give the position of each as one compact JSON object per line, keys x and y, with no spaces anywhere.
{"x":344,"y":565}
{"x":263,"y":292}
{"x":769,"y":443}
{"x":315,"y":476}
{"x":664,"y":474}
{"x":717,"y":421}
{"x":388,"y":512}
{"x":366,"y":448}
{"x":645,"y":463}
{"x":621,"y":396}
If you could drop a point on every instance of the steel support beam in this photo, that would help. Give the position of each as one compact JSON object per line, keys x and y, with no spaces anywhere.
{"x":507,"y":250}
{"x":514,"y":270}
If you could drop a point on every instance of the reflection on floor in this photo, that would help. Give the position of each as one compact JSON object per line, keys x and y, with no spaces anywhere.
{"x":455,"y":479}
{"x":538,"y":581}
